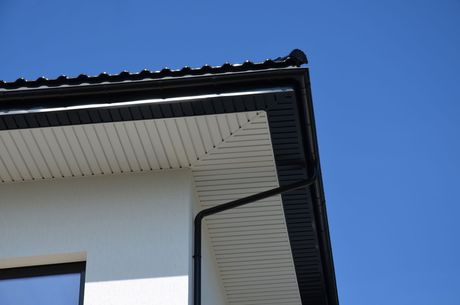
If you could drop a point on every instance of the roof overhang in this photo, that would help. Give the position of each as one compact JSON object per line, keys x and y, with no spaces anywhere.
{"x":274,"y":103}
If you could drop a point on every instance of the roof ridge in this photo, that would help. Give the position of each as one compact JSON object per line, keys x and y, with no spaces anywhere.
{"x":295,"y":58}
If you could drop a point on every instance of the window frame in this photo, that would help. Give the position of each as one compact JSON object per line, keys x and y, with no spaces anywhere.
{"x":46,"y":270}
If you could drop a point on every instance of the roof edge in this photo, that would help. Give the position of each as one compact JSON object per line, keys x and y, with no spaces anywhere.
{"x":295,"y":58}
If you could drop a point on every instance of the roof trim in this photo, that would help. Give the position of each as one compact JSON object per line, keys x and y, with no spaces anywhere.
{"x":147,"y":101}
{"x":296,"y":58}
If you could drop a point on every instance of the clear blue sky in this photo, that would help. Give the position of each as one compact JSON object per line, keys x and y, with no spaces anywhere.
{"x":386,"y":88}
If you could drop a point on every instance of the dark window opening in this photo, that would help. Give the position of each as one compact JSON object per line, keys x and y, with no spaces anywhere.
{"x":56,"y":284}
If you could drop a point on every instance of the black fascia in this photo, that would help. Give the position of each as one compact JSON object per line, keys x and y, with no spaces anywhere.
{"x":290,"y":117}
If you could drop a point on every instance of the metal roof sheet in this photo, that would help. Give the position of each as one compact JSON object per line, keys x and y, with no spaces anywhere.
{"x":295,"y":58}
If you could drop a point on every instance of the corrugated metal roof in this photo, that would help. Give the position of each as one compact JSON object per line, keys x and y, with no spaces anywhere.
{"x":295,"y":58}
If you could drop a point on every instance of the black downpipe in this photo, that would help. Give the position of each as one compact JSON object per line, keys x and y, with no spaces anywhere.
{"x":227,"y":206}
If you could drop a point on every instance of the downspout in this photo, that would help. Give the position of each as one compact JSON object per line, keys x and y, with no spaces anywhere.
{"x":227,"y":206}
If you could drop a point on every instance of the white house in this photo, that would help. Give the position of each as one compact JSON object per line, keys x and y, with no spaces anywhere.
{"x":102,"y":177}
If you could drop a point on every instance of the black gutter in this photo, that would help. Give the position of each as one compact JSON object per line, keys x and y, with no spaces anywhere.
{"x":227,"y":206}
{"x":149,"y":88}
{"x":320,"y":210}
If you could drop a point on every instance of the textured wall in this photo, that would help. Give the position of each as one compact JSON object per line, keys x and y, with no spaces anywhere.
{"x":135,"y":230}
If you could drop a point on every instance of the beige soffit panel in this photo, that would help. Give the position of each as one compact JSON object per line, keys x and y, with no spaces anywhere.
{"x":112,"y":148}
{"x":250,"y":243}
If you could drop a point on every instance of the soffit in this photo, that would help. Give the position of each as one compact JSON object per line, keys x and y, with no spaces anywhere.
{"x":112,"y":148}
{"x":250,"y":243}
{"x":230,"y":156}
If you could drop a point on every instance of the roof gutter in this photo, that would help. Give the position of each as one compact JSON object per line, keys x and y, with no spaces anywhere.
{"x":107,"y":105}
{"x":327,"y":261}
{"x":164,"y":87}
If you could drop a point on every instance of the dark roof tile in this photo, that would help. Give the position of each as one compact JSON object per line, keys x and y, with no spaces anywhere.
{"x":295,"y":58}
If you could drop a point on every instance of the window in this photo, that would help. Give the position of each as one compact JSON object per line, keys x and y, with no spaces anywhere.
{"x":58,"y":284}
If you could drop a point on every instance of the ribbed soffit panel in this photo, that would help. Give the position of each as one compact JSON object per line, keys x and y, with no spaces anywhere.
{"x":230,"y":156}
{"x":112,"y":148}
{"x":250,"y":243}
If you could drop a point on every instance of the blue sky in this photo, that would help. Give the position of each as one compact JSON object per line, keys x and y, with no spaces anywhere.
{"x":386,"y":88}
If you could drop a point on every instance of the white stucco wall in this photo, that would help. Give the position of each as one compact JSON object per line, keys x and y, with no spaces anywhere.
{"x":135,"y":230}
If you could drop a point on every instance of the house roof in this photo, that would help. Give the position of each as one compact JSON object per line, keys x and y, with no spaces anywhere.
{"x":295,"y":58}
{"x":280,"y":88}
